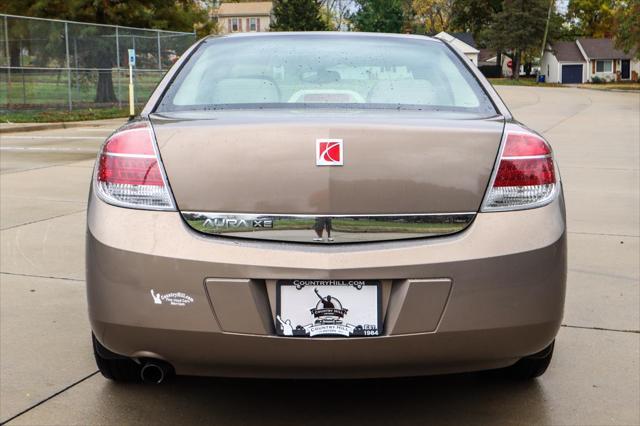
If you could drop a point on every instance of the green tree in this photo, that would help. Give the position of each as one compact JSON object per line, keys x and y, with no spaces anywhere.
{"x":592,"y":18}
{"x":180,"y":15}
{"x":298,"y":15}
{"x":378,"y":16}
{"x":435,"y":15}
{"x":627,"y":27}
{"x":518,"y":28}
{"x":561,"y":28}
{"x":474,"y":15}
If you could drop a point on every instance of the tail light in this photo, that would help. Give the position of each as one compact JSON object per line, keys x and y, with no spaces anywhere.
{"x":129,"y":172}
{"x":526,"y":175}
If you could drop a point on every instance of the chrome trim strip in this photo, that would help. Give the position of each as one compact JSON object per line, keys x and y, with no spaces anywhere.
{"x":116,"y":154}
{"x":184,"y":212}
{"x":335,"y":229}
{"x":527,"y":157}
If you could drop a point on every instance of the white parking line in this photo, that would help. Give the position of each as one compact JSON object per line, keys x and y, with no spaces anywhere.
{"x":90,"y":129}
{"x":50,"y":137}
{"x":48,"y":149}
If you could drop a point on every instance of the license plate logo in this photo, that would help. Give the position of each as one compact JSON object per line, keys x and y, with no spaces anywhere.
{"x":329,"y":152}
{"x":309,"y":308}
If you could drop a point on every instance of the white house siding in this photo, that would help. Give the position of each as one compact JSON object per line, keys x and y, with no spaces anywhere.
{"x":468,"y":51}
{"x":473,"y":57}
{"x":635,"y":66}
{"x":264,"y":23}
{"x":550,"y":67}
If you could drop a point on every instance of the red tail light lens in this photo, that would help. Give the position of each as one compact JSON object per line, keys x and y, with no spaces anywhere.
{"x":525,"y":144}
{"x":129,"y":172}
{"x":526,"y":174}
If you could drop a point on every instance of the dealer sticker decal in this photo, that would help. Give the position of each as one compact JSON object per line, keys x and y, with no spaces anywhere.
{"x":174,"y":299}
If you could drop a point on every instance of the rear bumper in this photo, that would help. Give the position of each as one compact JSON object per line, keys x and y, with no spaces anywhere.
{"x":476,"y":300}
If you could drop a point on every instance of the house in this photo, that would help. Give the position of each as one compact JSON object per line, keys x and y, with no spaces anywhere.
{"x":563,"y":62}
{"x":463,"y":42}
{"x":489,"y":58}
{"x":244,"y":17}
{"x":581,"y":60}
{"x":605,"y":61}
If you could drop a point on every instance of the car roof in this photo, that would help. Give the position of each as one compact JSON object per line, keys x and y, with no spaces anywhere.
{"x":345,"y":34}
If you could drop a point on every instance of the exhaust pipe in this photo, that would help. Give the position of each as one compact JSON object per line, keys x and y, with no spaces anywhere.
{"x":153,"y":373}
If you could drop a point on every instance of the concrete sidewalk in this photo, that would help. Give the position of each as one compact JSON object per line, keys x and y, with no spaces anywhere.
{"x":30,"y":127}
{"x":48,"y":375}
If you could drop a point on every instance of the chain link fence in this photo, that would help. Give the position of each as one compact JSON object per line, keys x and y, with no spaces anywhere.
{"x":54,"y":64}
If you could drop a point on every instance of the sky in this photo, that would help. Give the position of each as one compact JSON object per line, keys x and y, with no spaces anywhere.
{"x":562,"y":5}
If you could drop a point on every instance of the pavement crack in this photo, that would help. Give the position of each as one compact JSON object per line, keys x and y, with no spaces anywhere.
{"x":570,"y":116}
{"x":604,"y":274}
{"x":42,"y":276}
{"x":603,"y":234}
{"x":43,"y":220}
{"x":37,"y":404}
{"x":13,"y":172}
{"x":56,"y":164}
{"x":617,"y":330}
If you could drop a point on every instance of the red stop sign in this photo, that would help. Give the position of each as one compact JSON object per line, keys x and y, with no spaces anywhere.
{"x":510,"y":64}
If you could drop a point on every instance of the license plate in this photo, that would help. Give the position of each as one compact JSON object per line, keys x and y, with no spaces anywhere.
{"x":328,"y":308}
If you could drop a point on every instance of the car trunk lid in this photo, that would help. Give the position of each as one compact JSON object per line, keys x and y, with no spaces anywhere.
{"x":264,"y":162}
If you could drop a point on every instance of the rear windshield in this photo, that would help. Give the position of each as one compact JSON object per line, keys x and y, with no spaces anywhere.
{"x":320,"y":71}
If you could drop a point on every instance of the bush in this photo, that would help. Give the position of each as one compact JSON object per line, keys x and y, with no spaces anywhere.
{"x":597,"y":80}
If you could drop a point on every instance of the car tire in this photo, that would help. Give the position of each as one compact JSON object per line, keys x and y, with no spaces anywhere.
{"x":532,"y":366}
{"x":115,"y":367}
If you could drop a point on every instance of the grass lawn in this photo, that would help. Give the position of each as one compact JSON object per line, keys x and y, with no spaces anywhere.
{"x":52,"y":88}
{"x":42,"y":97}
{"x":50,"y":116}
{"x":521,"y":82}
{"x":612,"y":86}
{"x":531,"y":82}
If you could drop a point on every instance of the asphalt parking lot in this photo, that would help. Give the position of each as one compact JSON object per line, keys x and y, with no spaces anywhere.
{"x":47,"y":372}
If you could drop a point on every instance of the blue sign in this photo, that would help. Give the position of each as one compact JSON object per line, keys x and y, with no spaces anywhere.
{"x":132,"y":57}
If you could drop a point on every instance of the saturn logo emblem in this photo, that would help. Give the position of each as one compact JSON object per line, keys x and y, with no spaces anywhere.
{"x":329,"y":152}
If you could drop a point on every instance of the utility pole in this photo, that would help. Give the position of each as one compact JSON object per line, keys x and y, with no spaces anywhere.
{"x":546,"y":30}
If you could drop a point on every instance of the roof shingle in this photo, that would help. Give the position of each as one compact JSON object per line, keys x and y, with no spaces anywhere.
{"x":466,"y":38}
{"x":567,"y":51}
{"x":602,"y":48}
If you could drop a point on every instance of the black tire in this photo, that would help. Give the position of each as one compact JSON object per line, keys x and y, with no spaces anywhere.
{"x":532,"y":366}
{"x":115,"y":367}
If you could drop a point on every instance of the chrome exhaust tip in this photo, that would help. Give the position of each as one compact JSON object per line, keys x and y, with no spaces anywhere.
{"x":153,"y":373}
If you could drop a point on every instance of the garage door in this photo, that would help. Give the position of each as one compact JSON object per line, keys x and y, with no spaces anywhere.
{"x":572,"y":73}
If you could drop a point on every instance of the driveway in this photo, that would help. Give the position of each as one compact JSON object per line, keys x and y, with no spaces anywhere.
{"x":48,"y":376}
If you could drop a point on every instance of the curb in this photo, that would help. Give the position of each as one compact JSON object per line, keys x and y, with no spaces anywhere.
{"x":32,"y":127}
{"x":636,"y":91}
